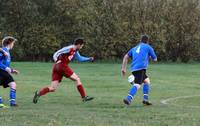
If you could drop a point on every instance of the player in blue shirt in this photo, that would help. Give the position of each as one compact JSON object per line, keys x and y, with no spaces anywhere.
{"x":6,"y":80}
{"x":140,"y":55}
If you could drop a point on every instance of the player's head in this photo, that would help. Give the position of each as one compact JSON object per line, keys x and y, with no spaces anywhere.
{"x":145,"y":38}
{"x":79,"y":43}
{"x":8,"y":41}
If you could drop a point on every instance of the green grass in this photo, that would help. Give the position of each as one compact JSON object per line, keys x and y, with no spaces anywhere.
{"x":103,"y":81}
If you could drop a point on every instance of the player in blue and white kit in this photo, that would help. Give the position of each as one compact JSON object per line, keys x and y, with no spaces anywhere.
{"x":6,"y":80}
{"x":140,"y":55}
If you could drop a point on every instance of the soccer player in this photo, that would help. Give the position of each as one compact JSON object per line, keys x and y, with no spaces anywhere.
{"x":140,"y":55}
{"x":62,"y":58}
{"x":6,"y":80}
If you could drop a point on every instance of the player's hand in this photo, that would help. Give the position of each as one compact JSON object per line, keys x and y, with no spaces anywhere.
{"x":155,"y":60}
{"x":8,"y":70}
{"x":123,"y":72}
{"x":14,"y":71}
{"x":92,"y":59}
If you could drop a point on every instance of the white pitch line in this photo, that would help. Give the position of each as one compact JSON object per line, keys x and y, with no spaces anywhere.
{"x":165,"y":101}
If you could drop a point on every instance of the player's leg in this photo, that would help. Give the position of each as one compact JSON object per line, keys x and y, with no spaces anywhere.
{"x":43,"y":91}
{"x":3,"y":106}
{"x":80,"y":87}
{"x":146,"y":88}
{"x":1,"y":100}
{"x":68,"y":72}
{"x":1,"y":84}
{"x":51,"y":88}
{"x":8,"y":81}
{"x":13,"y":94}
{"x":1,"y":103}
{"x":132,"y":92}
{"x":56,"y":79}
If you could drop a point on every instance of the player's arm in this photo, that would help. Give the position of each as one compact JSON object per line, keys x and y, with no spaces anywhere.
{"x":5,"y":67}
{"x":125,"y":62}
{"x":124,"y":65}
{"x":82,"y":58}
{"x":152,"y":54}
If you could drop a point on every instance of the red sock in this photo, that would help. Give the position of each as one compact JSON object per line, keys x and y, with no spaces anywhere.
{"x":43,"y":91}
{"x":81,"y":90}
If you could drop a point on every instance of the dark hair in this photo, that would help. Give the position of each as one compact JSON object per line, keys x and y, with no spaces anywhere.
{"x":7,"y":40}
{"x":78,"y":41}
{"x":144,"y":38}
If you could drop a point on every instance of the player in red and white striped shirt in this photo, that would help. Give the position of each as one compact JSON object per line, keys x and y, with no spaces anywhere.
{"x":62,"y":58}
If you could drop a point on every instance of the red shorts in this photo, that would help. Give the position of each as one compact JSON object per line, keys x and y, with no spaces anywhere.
{"x":60,"y":70}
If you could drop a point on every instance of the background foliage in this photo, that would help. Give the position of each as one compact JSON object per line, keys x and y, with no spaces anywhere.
{"x":110,"y":27}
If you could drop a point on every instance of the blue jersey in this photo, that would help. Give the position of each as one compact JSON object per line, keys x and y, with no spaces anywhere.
{"x":140,"y":56}
{"x":5,"y":60}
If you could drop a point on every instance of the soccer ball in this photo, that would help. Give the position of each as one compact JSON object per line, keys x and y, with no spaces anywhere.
{"x":131,"y":79}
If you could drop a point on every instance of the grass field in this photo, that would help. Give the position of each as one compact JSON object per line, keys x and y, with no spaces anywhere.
{"x":103,"y":81}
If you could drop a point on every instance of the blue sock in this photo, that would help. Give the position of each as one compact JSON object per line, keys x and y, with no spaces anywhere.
{"x":1,"y":101}
{"x":131,"y":93}
{"x":12,"y":96}
{"x":145,"y":92}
